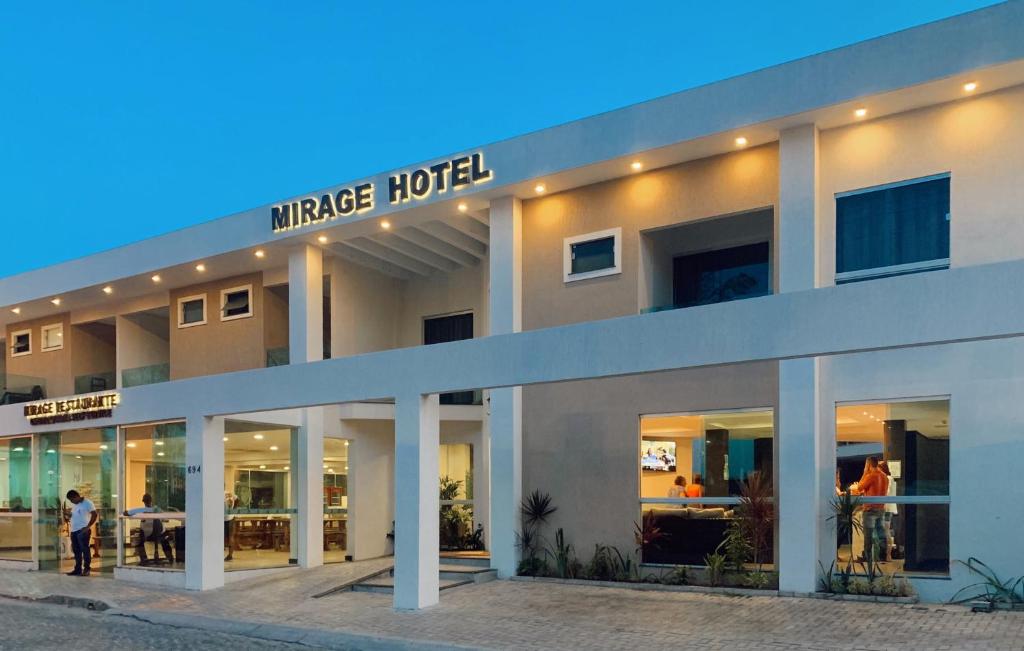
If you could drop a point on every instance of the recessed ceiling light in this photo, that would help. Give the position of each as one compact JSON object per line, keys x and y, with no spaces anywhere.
{"x":225,"y":439}
{"x":346,"y":443}
{"x":741,"y":142}
{"x":200,"y":267}
{"x":325,"y":466}
{"x":463,"y":207}
{"x":156,"y":278}
{"x":539,"y":188}
{"x":287,"y":468}
{"x":159,"y":454}
{"x":78,"y":456}
{"x":346,"y":467}
{"x":16,"y":310}
{"x":273,"y":448}
{"x":129,"y":445}
{"x":385,"y":224}
{"x":861,"y":112}
{"x":159,"y":442}
{"x":330,"y":470}
{"x":971,"y":86}
{"x":258,"y":437}
{"x":322,"y":239}
{"x":108,"y":290}
{"x":55,"y":301}
{"x":103,"y":446}
{"x":259,"y":253}
{"x":262,"y":467}
{"x":636,"y":166}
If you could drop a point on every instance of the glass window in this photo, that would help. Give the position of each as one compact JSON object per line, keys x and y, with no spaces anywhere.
{"x":259,"y":495}
{"x":53,"y":336}
{"x":885,"y":454}
{"x":21,"y":343}
{"x":458,"y":528}
{"x":191,"y":311}
{"x":442,"y":329}
{"x":895,"y":229}
{"x":722,"y":275}
{"x":336,"y":471}
{"x":154,"y":499}
{"x":685,"y":459}
{"x":236,"y":303}
{"x":16,"y":499}
{"x":593,"y":255}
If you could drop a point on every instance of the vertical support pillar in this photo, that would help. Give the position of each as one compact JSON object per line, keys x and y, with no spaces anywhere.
{"x":305,"y":304}
{"x":204,"y":503}
{"x":309,"y":480}
{"x":504,"y":425}
{"x":417,"y":437}
{"x":798,"y":433}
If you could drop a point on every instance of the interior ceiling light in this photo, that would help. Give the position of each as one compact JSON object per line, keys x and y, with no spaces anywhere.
{"x":16,"y":310}
{"x":861,"y":112}
{"x":539,"y":188}
{"x":385,"y":224}
{"x":155,"y":278}
{"x":200,"y":267}
{"x":636,"y":166}
{"x":260,"y":253}
{"x":55,"y":301}
{"x":463,"y":207}
{"x":741,"y":142}
{"x":108,"y":290}
{"x":971,"y":86}
{"x":322,"y":239}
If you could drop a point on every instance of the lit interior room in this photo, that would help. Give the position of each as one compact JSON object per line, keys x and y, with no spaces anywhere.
{"x":16,"y":499}
{"x":690,"y":456}
{"x":335,"y":499}
{"x":910,"y":442}
{"x":154,"y":467}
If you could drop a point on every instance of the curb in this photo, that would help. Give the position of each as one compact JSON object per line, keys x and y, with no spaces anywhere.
{"x":64,"y":600}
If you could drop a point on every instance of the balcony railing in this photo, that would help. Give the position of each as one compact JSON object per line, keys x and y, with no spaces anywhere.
{"x":152,"y":374}
{"x":22,"y":388}
{"x":277,"y":357}
{"x":95,"y":382}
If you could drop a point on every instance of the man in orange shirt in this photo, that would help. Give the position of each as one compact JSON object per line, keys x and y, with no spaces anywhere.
{"x":873,"y":483}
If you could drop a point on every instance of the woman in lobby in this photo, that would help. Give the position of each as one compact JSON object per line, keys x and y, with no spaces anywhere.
{"x":678,"y":488}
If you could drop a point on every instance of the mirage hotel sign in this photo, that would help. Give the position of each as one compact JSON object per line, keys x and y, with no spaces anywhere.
{"x":454,"y":174}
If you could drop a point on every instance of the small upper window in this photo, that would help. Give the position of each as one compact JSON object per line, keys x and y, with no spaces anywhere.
{"x":191,"y":311}
{"x":21,"y":343}
{"x":593,"y":255}
{"x":236,"y":303}
{"x":52,"y":336}
{"x":893,"y":229}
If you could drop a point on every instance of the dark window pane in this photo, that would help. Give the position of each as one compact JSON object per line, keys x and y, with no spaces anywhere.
{"x":21,"y":344}
{"x":723,"y":275}
{"x":443,"y":329}
{"x":593,"y":255}
{"x":192,"y":311}
{"x":893,"y":226}
{"x":236,"y":303}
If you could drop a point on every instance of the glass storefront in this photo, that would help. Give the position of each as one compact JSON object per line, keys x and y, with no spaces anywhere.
{"x":458,"y":530}
{"x":893,"y":459}
{"x":85,"y":461}
{"x":16,"y":499}
{"x":695,"y":470}
{"x":153,"y":520}
{"x":336,"y":473}
{"x":259,"y":512}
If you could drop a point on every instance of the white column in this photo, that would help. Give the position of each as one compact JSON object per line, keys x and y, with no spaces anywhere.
{"x":798,"y":433}
{"x":506,"y":404}
{"x":204,"y":503}
{"x":305,"y":304}
{"x":417,"y":437}
{"x":309,"y":480}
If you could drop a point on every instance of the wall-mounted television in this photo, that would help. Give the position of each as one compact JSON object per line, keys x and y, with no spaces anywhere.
{"x":658,"y":456}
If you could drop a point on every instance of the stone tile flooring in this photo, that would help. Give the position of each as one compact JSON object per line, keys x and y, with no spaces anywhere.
{"x":524,"y":615}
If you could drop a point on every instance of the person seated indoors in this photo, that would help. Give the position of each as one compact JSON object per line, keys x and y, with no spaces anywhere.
{"x":678,"y":488}
{"x":152,"y":531}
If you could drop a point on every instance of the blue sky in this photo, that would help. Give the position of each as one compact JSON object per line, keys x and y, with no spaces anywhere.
{"x":124,"y":120}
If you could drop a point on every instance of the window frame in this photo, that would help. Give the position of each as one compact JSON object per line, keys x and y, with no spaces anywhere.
{"x":181,"y":310}
{"x":42,"y":337}
{"x":567,"y":243}
{"x":896,"y":269}
{"x":14,"y":338}
{"x":223,"y":302}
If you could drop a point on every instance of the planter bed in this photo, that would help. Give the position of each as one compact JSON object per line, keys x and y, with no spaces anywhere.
{"x":653,"y":587}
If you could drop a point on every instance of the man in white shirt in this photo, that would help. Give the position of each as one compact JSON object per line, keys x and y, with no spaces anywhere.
{"x":83,"y":516}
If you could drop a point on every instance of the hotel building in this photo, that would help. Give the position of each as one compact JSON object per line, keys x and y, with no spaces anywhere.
{"x":782,"y":274}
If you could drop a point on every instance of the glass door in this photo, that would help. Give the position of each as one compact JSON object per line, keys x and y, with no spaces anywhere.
{"x":83,"y":460}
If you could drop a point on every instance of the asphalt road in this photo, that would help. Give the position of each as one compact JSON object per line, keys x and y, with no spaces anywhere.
{"x":31,"y":626}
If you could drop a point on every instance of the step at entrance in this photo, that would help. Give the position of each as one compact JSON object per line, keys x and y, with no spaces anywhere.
{"x":450,"y":575}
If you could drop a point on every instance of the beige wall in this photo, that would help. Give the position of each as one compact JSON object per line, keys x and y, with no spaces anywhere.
{"x":462,"y":290}
{"x":721,"y":185}
{"x":138,"y":346}
{"x":52,"y":366}
{"x":91,"y":353}
{"x":979,"y":140}
{"x":581,"y":440}
{"x":218,"y":346}
{"x":275,"y":320}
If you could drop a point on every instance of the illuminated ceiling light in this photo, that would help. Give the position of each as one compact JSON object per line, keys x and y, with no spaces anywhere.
{"x":108,"y":290}
{"x":741,"y":142}
{"x":16,"y":310}
{"x":463,"y":207}
{"x":130,"y":445}
{"x":18,"y":449}
{"x":330,"y":470}
{"x":200,"y":267}
{"x":260,"y":253}
{"x":159,"y":454}
{"x":287,"y":468}
{"x":385,"y":224}
{"x":262,"y":467}
{"x":78,"y":456}
{"x":103,"y":446}
{"x":322,"y":239}
{"x":970,"y":86}
{"x":55,"y":301}
{"x":636,"y":166}
{"x":539,"y":188}
{"x":325,"y":466}
{"x":273,"y":448}
{"x":346,"y":444}
{"x":258,"y":437}
{"x":861,"y":112}
{"x":51,"y":451}
{"x":346,"y":467}
{"x":156,"y":278}
{"x":159,"y":442}
{"x":225,"y":439}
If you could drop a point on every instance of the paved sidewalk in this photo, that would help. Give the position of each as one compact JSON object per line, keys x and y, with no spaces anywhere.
{"x":524,"y":615}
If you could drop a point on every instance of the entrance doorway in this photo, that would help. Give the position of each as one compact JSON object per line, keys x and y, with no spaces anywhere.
{"x":86,"y":461}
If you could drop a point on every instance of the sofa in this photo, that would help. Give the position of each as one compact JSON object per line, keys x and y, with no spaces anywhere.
{"x":687,"y":534}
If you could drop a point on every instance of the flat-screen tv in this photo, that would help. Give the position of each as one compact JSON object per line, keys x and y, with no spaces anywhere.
{"x":658,"y":456}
